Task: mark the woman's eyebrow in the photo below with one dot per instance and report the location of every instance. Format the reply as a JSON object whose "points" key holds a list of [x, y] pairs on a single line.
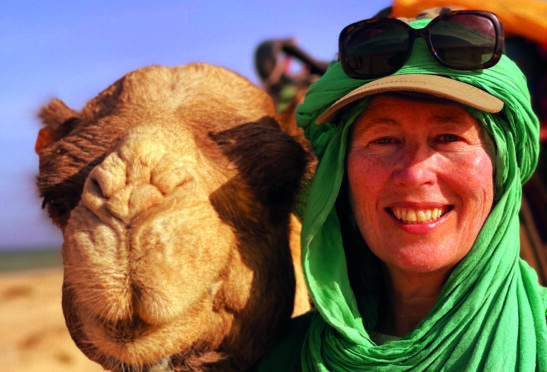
{"points": [[453, 121], [371, 125], [450, 118], [379, 121]]}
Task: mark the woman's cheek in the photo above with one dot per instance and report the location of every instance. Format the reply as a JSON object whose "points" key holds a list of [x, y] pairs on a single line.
{"points": [[472, 174]]}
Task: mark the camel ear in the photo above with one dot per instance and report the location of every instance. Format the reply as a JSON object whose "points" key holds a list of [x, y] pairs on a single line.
{"points": [[43, 140], [56, 117], [55, 114]]}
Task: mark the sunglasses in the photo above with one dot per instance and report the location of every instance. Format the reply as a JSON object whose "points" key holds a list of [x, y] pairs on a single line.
{"points": [[460, 40]]}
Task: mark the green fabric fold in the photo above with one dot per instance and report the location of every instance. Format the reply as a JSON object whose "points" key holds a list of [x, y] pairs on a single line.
{"points": [[491, 314]]}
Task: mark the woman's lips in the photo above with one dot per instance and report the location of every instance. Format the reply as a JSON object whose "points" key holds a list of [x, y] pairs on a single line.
{"points": [[415, 215]]}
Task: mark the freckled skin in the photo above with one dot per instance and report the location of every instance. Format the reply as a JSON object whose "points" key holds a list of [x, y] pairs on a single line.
{"points": [[419, 154]]}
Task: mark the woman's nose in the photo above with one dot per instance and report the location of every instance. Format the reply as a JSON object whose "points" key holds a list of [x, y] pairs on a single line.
{"points": [[416, 167]]}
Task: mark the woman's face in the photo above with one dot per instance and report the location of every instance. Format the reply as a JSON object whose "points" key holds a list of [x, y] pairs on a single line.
{"points": [[421, 182]]}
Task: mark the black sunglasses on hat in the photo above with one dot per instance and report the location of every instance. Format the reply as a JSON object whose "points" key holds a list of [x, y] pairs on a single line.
{"points": [[460, 40]]}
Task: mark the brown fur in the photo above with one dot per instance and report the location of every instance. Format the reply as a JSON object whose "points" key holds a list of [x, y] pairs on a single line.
{"points": [[174, 189]]}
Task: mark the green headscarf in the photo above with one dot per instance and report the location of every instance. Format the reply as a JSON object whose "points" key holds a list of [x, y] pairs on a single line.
{"points": [[491, 313]]}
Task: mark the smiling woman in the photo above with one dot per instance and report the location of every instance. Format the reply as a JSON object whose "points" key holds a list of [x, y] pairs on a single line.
{"points": [[410, 241], [419, 173]]}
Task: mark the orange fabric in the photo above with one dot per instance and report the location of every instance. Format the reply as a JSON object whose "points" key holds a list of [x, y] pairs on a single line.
{"points": [[527, 18]]}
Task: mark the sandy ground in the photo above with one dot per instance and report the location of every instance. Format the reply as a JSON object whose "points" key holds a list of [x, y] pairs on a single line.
{"points": [[33, 336]]}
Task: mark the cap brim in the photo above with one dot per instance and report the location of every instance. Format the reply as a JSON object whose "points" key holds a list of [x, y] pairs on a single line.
{"points": [[439, 86]]}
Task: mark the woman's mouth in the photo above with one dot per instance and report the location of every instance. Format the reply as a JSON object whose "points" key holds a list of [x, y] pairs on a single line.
{"points": [[418, 215]]}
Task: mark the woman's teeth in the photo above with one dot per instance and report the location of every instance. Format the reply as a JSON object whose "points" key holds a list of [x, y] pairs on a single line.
{"points": [[408, 215]]}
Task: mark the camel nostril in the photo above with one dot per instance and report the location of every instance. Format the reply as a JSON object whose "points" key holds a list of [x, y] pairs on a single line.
{"points": [[92, 196], [167, 181], [169, 173], [95, 187], [110, 175], [143, 197]]}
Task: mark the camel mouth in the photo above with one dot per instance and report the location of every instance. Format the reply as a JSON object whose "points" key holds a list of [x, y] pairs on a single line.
{"points": [[124, 331], [125, 344]]}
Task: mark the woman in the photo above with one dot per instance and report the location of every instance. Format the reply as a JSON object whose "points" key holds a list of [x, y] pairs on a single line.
{"points": [[410, 241]]}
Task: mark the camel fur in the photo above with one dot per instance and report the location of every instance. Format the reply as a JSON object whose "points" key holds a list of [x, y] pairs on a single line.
{"points": [[174, 189]]}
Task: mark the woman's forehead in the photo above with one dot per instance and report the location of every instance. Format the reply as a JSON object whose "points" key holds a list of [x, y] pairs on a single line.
{"points": [[417, 97], [398, 108]]}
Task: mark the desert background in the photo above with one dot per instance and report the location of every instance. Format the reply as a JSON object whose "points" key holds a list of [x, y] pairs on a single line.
{"points": [[33, 335]]}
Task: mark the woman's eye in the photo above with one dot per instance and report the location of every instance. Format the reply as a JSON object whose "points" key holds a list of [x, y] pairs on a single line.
{"points": [[449, 138], [384, 141]]}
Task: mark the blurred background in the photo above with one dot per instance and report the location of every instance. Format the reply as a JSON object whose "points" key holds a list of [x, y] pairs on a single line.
{"points": [[72, 50]]}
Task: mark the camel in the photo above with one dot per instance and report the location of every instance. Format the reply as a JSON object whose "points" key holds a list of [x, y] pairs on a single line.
{"points": [[175, 189]]}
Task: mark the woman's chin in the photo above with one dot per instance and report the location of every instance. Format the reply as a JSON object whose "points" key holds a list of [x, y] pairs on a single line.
{"points": [[419, 257]]}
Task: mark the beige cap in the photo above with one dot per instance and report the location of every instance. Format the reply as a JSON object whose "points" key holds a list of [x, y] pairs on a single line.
{"points": [[439, 86]]}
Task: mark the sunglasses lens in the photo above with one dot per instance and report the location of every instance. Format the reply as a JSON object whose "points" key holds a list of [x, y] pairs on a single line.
{"points": [[376, 49], [461, 40], [464, 41]]}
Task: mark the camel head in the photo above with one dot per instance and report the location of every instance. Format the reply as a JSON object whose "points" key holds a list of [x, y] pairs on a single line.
{"points": [[173, 189]]}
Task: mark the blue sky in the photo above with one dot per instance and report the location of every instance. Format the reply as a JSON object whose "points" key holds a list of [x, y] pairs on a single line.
{"points": [[72, 50]]}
